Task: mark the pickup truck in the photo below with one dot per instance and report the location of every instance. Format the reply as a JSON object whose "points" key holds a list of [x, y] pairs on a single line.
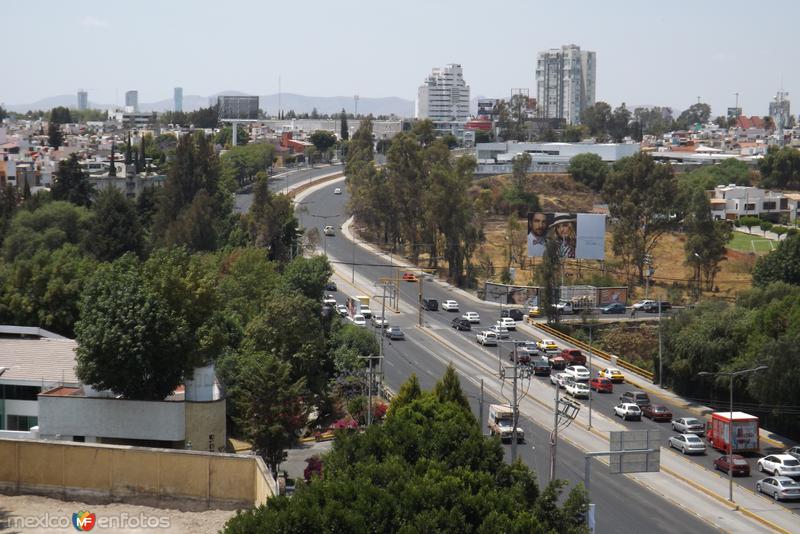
{"points": [[501, 423], [573, 357], [486, 338], [556, 361]]}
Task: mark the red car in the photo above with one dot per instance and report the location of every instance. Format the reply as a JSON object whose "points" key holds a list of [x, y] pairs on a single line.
{"points": [[409, 277], [657, 412], [740, 465], [601, 384]]}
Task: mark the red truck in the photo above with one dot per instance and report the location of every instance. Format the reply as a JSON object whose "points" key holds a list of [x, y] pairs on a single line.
{"points": [[745, 431], [573, 357]]}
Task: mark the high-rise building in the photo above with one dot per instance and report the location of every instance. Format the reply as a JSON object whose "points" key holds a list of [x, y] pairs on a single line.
{"points": [[565, 82], [132, 100], [780, 110], [83, 100], [444, 96], [178, 99]]}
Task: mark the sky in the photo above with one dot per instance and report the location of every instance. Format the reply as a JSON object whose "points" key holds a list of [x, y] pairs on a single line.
{"points": [[648, 53]]}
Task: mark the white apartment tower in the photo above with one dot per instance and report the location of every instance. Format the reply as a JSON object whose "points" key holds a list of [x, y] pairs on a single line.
{"points": [[444, 97], [565, 82]]}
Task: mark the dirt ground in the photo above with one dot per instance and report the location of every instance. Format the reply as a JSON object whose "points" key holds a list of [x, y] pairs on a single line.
{"points": [[26, 514]]}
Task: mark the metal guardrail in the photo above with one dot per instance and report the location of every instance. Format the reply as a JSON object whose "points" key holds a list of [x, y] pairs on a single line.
{"points": [[303, 187], [595, 351]]}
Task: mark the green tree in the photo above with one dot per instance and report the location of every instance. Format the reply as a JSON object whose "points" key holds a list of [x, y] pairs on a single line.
{"points": [[549, 273], [705, 240], [55, 138], [112, 162], [699, 113], [780, 168], [780, 265], [241, 164], [272, 222], [323, 140], [574, 133], [194, 228], [589, 169], [60, 115], [225, 137], [47, 227], [448, 389], [597, 118], [642, 197], [9, 197], [408, 393], [344, 132], [3, 113], [71, 183], [308, 276], [129, 339], [114, 227], [268, 404], [618, 126], [749, 221]]}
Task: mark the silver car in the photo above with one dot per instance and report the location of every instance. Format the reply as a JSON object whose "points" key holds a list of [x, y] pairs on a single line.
{"points": [[688, 443], [689, 425], [779, 488], [794, 451]]}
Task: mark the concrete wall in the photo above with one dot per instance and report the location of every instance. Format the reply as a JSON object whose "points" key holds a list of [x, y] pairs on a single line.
{"points": [[156, 477], [111, 418], [204, 420]]}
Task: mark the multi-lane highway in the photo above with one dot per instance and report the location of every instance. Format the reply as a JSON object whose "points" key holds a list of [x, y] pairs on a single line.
{"points": [[426, 352]]}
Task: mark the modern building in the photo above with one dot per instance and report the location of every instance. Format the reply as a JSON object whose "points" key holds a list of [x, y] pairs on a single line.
{"points": [[444, 96], [565, 82], [734, 201], [178, 99], [132, 100], [83, 100], [497, 158], [31, 359]]}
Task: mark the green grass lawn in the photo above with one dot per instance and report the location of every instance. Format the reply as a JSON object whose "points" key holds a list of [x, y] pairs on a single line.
{"points": [[749, 242]]}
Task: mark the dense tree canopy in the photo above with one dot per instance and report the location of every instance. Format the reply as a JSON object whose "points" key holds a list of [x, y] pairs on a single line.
{"points": [[780, 168], [781, 265], [114, 227], [589, 169], [71, 183]]}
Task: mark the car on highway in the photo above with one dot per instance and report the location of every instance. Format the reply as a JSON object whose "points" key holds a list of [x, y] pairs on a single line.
{"points": [[337, 191], [546, 344], [341, 309], [657, 412], [533, 313], [460, 323], [779, 488], [780, 465], [688, 444], [410, 277], [508, 322], [794, 451], [540, 366], [486, 338], [578, 372], [358, 319], [331, 286], [628, 411], [577, 389], [689, 425], [450, 305], [639, 398], [501, 331], [430, 304], [641, 304], [613, 374], [379, 321], [394, 333], [530, 348], [558, 379], [329, 300], [613, 308], [600, 385], [472, 317], [514, 313], [740, 465], [653, 307], [328, 230]]}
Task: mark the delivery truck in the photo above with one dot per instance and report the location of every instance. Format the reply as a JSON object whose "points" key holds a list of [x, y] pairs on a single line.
{"points": [[358, 305], [745, 432]]}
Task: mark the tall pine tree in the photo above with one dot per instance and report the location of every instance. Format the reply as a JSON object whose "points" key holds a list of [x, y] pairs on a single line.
{"points": [[345, 131], [112, 167], [54, 136]]}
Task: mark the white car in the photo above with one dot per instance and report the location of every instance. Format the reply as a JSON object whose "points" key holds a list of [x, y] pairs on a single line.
{"points": [[379, 322], [337, 191], [688, 443], [341, 309], [628, 410], [329, 230], [577, 389], [472, 317], [328, 300], [558, 379], [638, 306], [501, 331], [578, 372], [358, 320], [450, 305], [784, 465], [366, 312], [487, 338], [508, 322]]}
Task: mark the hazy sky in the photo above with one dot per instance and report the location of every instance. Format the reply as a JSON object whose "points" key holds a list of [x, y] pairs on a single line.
{"points": [[661, 53]]}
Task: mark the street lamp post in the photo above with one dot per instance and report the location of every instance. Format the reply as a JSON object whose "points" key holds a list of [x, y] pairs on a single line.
{"points": [[731, 375]]}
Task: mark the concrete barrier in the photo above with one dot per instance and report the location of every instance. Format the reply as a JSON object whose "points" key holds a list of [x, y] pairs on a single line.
{"points": [[167, 478]]}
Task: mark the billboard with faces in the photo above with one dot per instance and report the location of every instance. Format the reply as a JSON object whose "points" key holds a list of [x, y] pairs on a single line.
{"points": [[577, 235]]}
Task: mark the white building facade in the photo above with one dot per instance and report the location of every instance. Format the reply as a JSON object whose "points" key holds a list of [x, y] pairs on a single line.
{"points": [[498, 158], [444, 96], [734, 201], [565, 82]]}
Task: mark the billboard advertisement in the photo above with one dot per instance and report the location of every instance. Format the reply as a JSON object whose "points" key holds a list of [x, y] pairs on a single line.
{"points": [[238, 107], [578, 235], [612, 295], [513, 295]]}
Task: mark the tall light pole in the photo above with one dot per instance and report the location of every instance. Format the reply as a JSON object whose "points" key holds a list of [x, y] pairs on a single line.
{"points": [[731, 375]]}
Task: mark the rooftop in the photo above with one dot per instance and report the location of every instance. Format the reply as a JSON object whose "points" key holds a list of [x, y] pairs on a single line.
{"points": [[38, 361]]}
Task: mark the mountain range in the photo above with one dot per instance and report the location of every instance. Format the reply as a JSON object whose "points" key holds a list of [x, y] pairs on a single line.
{"points": [[269, 103]]}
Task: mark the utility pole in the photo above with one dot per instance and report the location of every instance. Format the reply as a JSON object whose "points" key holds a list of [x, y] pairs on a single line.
{"points": [[419, 283], [554, 438], [660, 367], [480, 408], [514, 408], [383, 332]]}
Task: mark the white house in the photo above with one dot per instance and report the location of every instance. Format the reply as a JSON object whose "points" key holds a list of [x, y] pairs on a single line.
{"points": [[734, 201]]}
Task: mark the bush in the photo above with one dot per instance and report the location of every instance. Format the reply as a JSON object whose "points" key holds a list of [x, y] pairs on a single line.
{"points": [[765, 226], [791, 231]]}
